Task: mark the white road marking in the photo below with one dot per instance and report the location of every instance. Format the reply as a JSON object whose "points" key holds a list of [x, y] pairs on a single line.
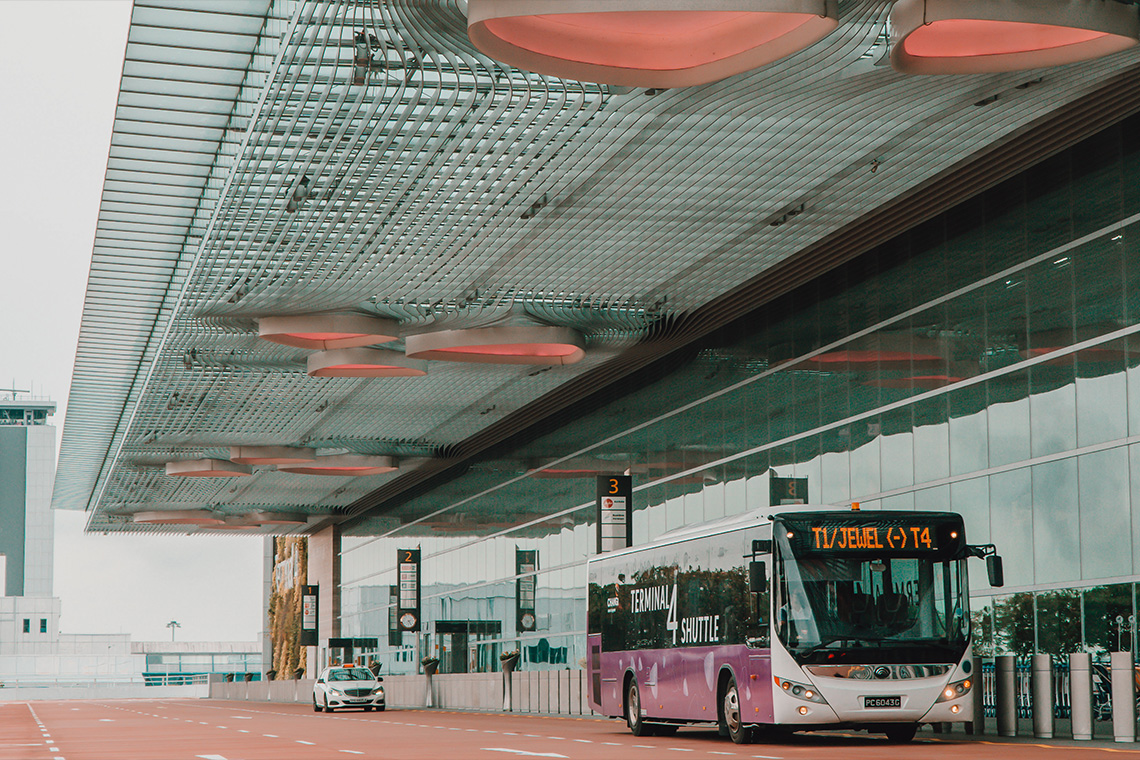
{"points": [[768, 757], [521, 752], [352, 752], [211, 757], [106, 720], [241, 717], [302, 741], [270, 736], [584, 741], [678, 749], [721, 753]]}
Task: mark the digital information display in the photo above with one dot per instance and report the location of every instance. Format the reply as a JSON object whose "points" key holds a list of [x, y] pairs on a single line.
{"points": [[615, 511], [310, 618], [408, 567], [395, 635], [526, 561], [876, 533]]}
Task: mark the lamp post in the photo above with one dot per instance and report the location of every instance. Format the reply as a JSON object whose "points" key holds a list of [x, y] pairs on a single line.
{"points": [[172, 625]]}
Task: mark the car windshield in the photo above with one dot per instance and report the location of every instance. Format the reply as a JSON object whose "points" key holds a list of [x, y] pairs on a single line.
{"points": [[350, 674]]}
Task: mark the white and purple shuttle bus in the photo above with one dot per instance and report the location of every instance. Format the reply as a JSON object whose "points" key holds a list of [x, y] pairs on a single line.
{"points": [[805, 619]]}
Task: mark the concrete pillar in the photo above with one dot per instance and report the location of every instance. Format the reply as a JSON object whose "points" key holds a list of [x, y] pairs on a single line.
{"points": [[1005, 683], [1123, 697], [1042, 686], [1080, 695], [508, 683], [324, 571]]}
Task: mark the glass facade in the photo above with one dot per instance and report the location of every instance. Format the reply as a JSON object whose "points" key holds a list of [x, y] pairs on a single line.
{"points": [[980, 363]]}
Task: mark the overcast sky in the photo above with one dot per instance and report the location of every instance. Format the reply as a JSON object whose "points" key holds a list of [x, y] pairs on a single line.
{"points": [[60, 62]]}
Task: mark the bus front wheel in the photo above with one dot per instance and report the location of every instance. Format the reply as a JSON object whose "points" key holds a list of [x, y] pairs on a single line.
{"points": [[901, 733], [732, 721], [633, 717]]}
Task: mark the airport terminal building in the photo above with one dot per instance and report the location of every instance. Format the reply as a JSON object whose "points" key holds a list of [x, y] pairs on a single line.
{"points": [[359, 279]]}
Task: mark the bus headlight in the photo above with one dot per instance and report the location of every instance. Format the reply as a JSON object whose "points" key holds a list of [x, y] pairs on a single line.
{"points": [[955, 690], [799, 690]]}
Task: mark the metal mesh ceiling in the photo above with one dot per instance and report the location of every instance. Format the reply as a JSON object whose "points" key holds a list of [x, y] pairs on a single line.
{"points": [[444, 189]]}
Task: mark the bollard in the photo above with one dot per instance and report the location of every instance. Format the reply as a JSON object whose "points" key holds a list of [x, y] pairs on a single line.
{"points": [[1123, 698], [1005, 683], [1080, 695], [430, 667], [977, 725], [1042, 686]]}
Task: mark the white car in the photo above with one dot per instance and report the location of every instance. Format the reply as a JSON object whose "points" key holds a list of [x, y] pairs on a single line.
{"points": [[347, 687]]}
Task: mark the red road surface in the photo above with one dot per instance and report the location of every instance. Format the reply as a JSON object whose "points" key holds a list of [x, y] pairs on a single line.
{"points": [[217, 730]]}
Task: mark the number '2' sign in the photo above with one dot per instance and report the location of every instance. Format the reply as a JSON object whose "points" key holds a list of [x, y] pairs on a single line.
{"points": [[408, 595]]}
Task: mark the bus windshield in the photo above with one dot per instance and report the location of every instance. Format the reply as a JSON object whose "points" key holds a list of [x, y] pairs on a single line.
{"points": [[833, 606]]}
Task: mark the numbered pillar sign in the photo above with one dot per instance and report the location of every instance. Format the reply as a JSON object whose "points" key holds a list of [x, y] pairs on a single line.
{"points": [[310, 618], [526, 564], [615, 512], [408, 611], [788, 491]]}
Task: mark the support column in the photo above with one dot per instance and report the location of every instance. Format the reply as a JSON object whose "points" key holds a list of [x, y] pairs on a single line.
{"points": [[324, 571]]}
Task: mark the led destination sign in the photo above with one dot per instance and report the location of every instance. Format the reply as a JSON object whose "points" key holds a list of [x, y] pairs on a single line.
{"points": [[876, 533], [873, 537]]}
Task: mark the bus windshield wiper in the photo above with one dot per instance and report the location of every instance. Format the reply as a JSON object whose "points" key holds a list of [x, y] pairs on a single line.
{"points": [[821, 645]]}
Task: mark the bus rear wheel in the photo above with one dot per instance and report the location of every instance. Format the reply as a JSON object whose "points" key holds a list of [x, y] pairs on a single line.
{"points": [[633, 717], [901, 733], [732, 721]]}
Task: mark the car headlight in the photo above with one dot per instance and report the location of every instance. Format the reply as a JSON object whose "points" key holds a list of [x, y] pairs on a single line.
{"points": [[799, 690], [955, 690], [378, 691], [335, 690]]}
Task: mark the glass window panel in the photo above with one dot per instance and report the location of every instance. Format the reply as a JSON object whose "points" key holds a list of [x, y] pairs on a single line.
{"points": [[1108, 610], [931, 441], [1105, 515], [969, 439], [1052, 407], [971, 499], [866, 454], [1056, 522], [1008, 423], [1011, 523], [835, 474], [1014, 624], [935, 499], [1059, 622], [1102, 392], [897, 459]]}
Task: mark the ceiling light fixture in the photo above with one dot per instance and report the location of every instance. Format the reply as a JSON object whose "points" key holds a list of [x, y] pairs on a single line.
{"points": [[646, 43], [179, 517], [263, 455], [352, 465], [980, 36], [207, 468], [325, 331], [364, 362], [510, 344]]}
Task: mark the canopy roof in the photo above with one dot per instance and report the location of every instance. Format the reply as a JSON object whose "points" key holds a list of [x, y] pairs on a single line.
{"points": [[446, 191]]}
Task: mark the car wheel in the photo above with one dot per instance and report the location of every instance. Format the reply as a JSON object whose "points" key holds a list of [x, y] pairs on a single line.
{"points": [[316, 707], [368, 708], [633, 711], [730, 716], [327, 708], [380, 708]]}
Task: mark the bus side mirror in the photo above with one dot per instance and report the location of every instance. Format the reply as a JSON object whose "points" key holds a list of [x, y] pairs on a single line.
{"points": [[757, 577], [995, 571]]}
